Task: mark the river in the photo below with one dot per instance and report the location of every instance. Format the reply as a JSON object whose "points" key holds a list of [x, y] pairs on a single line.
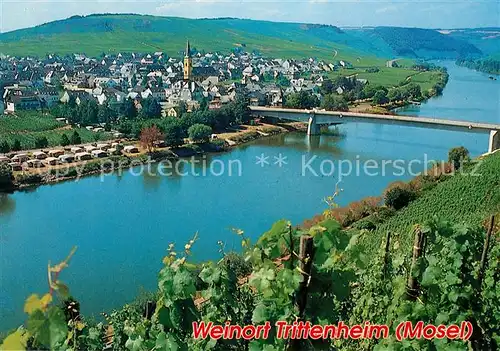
{"points": [[122, 224]]}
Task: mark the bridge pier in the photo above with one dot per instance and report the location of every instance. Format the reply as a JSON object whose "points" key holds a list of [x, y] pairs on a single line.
{"points": [[312, 126], [494, 143]]}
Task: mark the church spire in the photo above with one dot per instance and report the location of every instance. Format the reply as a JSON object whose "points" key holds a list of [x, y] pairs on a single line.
{"points": [[188, 63], [188, 49]]}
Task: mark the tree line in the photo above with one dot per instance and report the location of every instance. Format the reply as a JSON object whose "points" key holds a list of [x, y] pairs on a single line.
{"points": [[488, 66]]}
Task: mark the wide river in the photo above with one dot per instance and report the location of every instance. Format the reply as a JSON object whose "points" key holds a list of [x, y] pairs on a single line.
{"points": [[122, 224]]}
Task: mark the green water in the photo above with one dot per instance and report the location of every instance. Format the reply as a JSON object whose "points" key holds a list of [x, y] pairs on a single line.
{"points": [[122, 225]]}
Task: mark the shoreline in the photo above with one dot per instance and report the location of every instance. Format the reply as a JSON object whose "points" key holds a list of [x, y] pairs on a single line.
{"points": [[160, 154]]}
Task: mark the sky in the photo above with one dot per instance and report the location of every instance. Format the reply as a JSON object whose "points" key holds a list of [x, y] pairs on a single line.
{"points": [[15, 14]]}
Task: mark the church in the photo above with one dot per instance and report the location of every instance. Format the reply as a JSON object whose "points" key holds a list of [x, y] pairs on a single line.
{"points": [[188, 63], [195, 73]]}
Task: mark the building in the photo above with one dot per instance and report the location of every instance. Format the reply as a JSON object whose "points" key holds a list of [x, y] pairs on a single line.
{"points": [[188, 63]]}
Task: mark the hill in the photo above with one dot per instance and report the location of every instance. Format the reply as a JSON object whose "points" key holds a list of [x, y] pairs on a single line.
{"points": [[485, 39], [95, 34], [464, 198]]}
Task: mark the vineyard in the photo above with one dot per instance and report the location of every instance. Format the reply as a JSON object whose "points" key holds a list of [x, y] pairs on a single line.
{"points": [[468, 197], [26, 127], [28, 121]]}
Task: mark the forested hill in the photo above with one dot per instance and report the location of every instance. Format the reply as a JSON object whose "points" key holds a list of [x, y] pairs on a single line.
{"points": [[95, 34], [417, 42]]}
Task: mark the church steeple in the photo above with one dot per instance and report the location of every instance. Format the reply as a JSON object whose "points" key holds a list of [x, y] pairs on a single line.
{"points": [[188, 49], [188, 63]]}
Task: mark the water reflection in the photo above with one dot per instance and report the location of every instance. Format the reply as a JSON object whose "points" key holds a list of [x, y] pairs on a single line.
{"points": [[7, 205]]}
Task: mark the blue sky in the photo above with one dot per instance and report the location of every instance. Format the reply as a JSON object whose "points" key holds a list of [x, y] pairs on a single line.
{"points": [[16, 14]]}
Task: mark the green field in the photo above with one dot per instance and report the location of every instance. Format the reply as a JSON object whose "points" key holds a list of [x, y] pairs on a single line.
{"points": [[28, 121], [94, 35], [28, 126], [390, 77]]}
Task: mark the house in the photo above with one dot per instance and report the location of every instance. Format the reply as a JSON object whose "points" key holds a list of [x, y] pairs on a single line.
{"points": [[15, 103], [172, 112], [51, 161], [39, 155], [103, 146], [48, 96], [99, 153], [66, 158], [15, 166], [34, 163], [76, 149], [131, 149], [55, 153], [20, 158], [83, 156]]}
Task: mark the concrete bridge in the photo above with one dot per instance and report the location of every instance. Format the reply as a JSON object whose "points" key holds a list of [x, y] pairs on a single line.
{"points": [[314, 118]]}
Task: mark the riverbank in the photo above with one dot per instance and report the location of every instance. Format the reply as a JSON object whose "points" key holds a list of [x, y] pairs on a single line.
{"points": [[222, 142]]}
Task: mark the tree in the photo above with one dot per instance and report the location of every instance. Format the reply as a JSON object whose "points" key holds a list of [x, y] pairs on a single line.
{"points": [[64, 140], [369, 90], [199, 133], [149, 136], [16, 146], [302, 100], [174, 135], [41, 142], [128, 109], [282, 81], [413, 91], [398, 197], [395, 94], [150, 108], [75, 138], [327, 87], [457, 156], [4, 147], [105, 114], [88, 112], [6, 177], [380, 98], [332, 102]]}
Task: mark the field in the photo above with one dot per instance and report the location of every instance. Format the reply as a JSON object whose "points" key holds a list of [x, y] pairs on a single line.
{"points": [[29, 121], [463, 198], [390, 77], [29, 125], [426, 79]]}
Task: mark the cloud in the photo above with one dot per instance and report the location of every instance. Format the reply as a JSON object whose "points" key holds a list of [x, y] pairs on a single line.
{"points": [[390, 8]]}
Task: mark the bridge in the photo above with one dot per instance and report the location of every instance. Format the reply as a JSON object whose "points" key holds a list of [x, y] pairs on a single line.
{"points": [[314, 118]]}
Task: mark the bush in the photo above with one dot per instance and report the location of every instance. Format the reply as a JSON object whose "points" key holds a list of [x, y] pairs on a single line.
{"points": [[365, 224], [457, 156], [199, 133], [41, 142], [16, 146], [237, 264], [65, 140], [398, 197], [76, 138], [6, 178], [4, 147], [29, 179]]}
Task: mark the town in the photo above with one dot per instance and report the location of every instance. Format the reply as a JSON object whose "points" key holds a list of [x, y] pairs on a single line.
{"points": [[199, 78], [198, 97]]}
